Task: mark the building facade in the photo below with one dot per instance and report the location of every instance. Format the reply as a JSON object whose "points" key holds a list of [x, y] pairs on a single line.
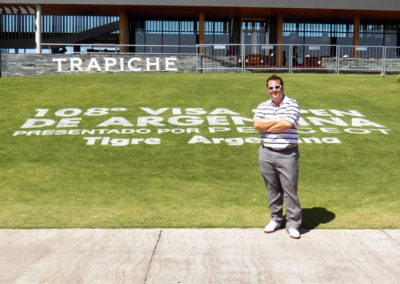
{"points": [[28, 24]]}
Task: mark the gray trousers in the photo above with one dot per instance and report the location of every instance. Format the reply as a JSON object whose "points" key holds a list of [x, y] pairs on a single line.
{"points": [[280, 170]]}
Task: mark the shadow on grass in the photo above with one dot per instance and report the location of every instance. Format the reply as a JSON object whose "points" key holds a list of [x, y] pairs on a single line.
{"points": [[313, 217]]}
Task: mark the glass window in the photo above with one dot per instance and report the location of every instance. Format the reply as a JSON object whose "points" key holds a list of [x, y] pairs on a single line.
{"points": [[378, 35], [253, 25], [316, 33], [180, 32]]}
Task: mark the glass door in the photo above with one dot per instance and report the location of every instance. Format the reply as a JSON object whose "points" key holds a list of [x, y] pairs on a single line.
{"points": [[254, 32]]}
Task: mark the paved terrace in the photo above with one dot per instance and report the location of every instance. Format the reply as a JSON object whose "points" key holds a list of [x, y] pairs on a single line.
{"points": [[198, 256]]}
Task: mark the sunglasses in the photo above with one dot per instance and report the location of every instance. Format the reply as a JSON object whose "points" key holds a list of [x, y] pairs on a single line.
{"points": [[278, 87]]}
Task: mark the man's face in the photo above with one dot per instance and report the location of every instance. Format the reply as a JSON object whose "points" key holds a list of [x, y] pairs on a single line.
{"points": [[275, 91]]}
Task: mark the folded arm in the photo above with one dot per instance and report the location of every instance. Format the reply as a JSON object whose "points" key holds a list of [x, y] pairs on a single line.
{"points": [[272, 125]]}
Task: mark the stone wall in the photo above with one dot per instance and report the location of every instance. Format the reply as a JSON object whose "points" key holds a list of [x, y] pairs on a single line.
{"points": [[50, 64], [362, 64]]}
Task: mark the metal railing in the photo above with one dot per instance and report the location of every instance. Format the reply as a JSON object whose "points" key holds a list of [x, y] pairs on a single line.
{"points": [[298, 58], [219, 57]]}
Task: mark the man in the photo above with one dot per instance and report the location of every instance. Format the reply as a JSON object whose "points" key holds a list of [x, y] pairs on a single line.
{"points": [[277, 119]]}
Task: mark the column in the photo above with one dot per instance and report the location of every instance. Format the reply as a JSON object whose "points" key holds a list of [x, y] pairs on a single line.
{"points": [[123, 31], [201, 27], [201, 31], [38, 28], [235, 37], [276, 37], [236, 30], [356, 34], [279, 40]]}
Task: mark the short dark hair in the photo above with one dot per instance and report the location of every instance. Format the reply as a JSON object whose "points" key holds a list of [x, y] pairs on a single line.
{"points": [[274, 78]]}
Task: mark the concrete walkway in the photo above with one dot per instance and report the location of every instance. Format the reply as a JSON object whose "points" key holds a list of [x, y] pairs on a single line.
{"points": [[198, 256]]}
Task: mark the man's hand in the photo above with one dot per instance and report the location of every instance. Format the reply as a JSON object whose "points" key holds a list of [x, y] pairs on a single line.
{"points": [[273, 125]]}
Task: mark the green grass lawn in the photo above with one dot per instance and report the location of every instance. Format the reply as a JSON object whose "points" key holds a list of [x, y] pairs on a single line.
{"points": [[57, 181]]}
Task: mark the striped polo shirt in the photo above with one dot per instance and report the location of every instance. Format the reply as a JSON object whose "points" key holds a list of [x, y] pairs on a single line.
{"points": [[288, 110]]}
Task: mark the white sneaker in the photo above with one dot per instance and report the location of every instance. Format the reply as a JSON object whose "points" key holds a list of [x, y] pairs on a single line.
{"points": [[293, 233], [271, 227]]}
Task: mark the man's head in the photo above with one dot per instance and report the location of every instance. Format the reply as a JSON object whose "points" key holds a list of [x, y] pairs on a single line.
{"points": [[275, 89]]}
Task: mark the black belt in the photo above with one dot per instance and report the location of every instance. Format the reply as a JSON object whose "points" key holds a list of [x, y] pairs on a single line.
{"points": [[291, 146]]}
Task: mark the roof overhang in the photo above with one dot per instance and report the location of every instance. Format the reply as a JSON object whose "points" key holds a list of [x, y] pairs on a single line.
{"points": [[371, 5], [318, 10]]}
